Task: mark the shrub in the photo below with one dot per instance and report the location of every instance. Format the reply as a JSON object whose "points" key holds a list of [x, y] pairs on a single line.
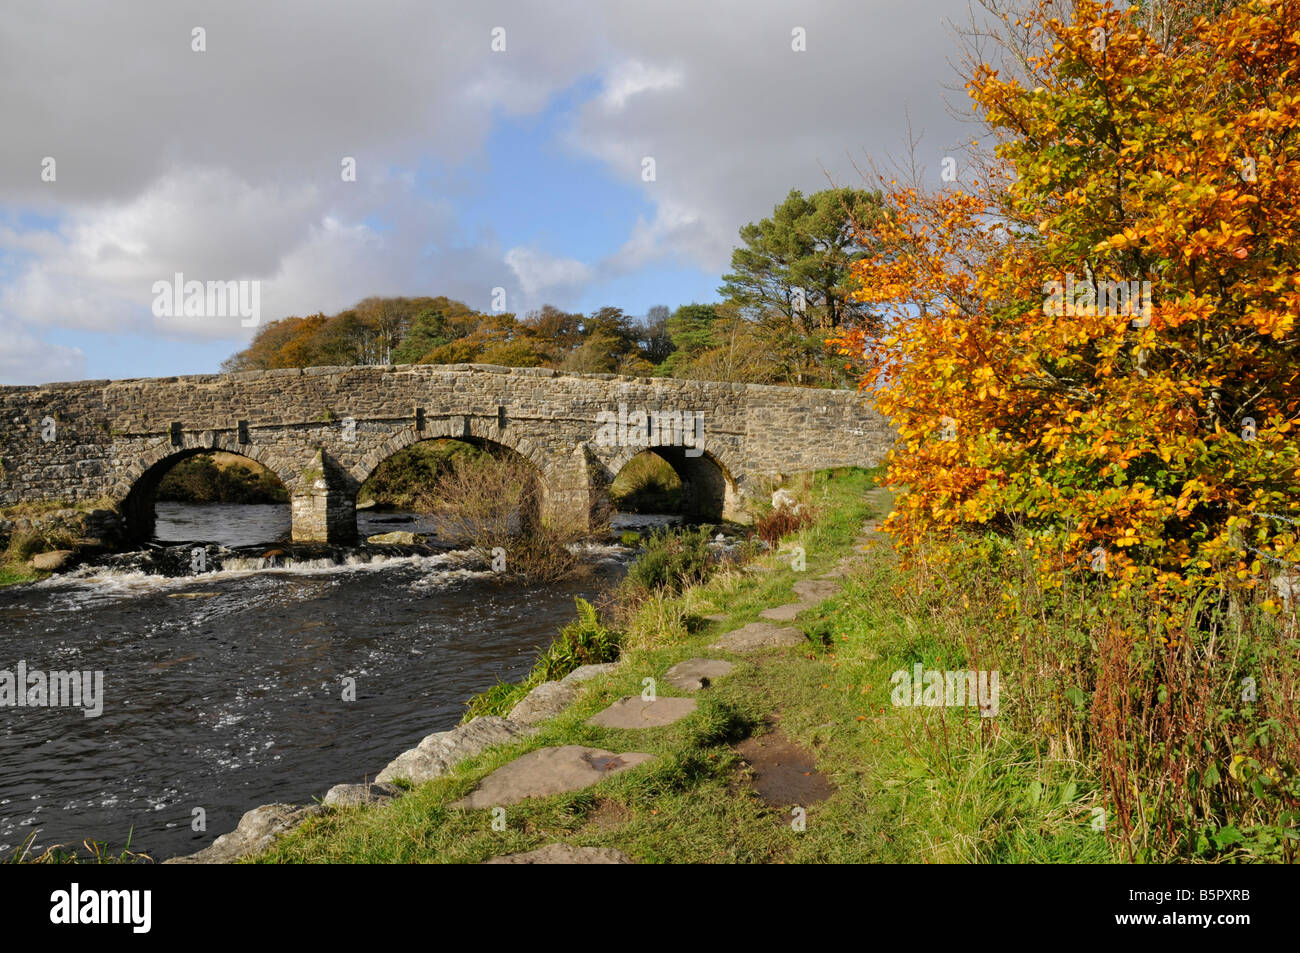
{"points": [[673, 559], [494, 501], [781, 522]]}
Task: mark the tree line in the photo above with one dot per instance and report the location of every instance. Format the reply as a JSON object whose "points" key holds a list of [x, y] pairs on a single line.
{"points": [[789, 288]]}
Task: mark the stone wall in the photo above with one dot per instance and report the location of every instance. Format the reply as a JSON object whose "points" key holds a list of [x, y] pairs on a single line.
{"points": [[324, 430]]}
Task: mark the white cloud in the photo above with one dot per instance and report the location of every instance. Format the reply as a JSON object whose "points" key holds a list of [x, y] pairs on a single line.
{"points": [[25, 359], [225, 165], [539, 273], [634, 77]]}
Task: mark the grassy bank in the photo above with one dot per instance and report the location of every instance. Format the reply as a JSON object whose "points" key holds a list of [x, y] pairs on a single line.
{"points": [[54, 524], [910, 784]]}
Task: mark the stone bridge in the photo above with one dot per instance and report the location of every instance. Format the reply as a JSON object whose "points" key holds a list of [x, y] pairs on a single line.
{"points": [[324, 430]]}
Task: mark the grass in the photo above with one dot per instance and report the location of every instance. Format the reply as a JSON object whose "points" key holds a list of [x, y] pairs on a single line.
{"points": [[92, 852], [911, 784], [21, 546]]}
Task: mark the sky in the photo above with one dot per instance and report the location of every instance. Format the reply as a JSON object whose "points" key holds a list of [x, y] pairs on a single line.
{"points": [[496, 145]]}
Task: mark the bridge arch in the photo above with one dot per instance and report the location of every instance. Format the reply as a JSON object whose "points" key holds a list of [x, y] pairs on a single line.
{"points": [[467, 430], [711, 489], [135, 492], [538, 500]]}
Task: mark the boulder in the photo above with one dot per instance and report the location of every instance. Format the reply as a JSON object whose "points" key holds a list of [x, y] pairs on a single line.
{"points": [[352, 795], [585, 673], [545, 701], [53, 561], [396, 537], [257, 830], [783, 498], [438, 753]]}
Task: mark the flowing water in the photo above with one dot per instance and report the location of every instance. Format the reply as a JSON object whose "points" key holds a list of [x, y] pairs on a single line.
{"points": [[224, 690]]}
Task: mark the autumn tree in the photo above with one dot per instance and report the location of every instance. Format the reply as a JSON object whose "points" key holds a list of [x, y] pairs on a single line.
{"points": [[1091, 360], [1027, 383]]}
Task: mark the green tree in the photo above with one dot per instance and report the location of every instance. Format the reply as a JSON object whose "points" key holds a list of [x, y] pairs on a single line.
{"points": [[796, 263]]}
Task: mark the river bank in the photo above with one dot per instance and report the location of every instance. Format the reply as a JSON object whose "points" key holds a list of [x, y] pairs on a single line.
{"points": [[796, 754], [225, 688]]}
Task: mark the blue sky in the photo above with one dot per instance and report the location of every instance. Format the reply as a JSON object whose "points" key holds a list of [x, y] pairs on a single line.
{"points": [[477, 168]]}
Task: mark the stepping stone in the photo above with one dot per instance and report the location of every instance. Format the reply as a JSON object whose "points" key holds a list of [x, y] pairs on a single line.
{"points": [[549, 771], [585, 673], [438, 753], [545, 701], [813, 591], [759, 635], [351, 795], [784, 613], [716, 617], [635, 712], [784, 773], [696, 673], [564, 854]]}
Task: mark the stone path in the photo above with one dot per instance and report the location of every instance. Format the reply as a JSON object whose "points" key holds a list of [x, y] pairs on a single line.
{"points": [[784, 773], [564, 854], [697, 673], [759, 635], [637, 712], [548, 771]]}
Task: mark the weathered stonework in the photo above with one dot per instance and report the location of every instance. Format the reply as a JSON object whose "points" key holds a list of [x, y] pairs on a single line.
{"points": [[323, 430]]}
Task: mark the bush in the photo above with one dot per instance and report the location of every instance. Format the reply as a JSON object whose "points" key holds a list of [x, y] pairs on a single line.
{"points": [[673, 560], [781, 522], [493, 501]]}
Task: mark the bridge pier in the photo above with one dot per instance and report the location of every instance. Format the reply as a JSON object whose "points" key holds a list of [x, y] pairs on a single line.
{"points": [[324, 506]]}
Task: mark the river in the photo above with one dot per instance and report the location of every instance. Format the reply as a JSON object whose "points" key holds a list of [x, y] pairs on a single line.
{"points": [[224, 690]]}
